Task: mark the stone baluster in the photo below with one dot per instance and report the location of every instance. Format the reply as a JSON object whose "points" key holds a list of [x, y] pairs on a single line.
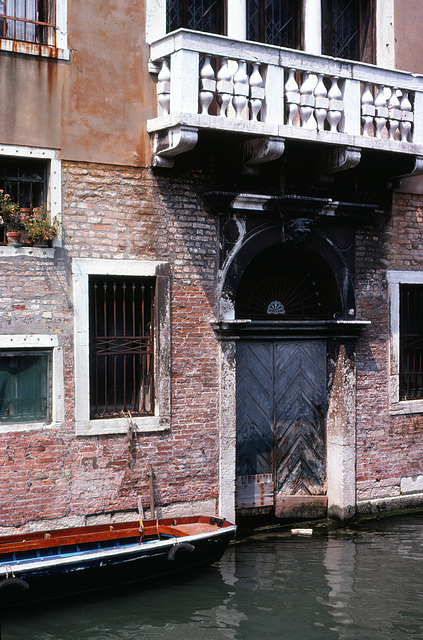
{"points": [[381, 116], [208, 85], [256, 92], [225, 87], [241, 89], [368, 109], [406, 117], [292, 96], [307, 102], [163, 88], [336, 104], [321, 102], [394, 114]]}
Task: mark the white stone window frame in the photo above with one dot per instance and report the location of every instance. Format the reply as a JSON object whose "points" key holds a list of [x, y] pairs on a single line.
{"points": [[395, 279], [60, 51], [82, 269], [44, 342], [236, 26], [54, 196]]}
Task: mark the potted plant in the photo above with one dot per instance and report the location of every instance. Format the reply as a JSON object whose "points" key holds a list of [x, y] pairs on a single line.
{"points": [[14, 229], [39, 229], [9, 212]]}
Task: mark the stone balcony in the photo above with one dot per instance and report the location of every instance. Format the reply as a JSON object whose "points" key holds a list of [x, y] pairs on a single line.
{"points": [[269, 95]]}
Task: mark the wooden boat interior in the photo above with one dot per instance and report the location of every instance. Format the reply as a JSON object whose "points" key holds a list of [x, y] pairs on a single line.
{"points": [[152, 529]]}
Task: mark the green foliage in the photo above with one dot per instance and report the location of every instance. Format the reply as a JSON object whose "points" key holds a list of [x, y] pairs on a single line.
{"points": [[9, 212], [38, 227]]}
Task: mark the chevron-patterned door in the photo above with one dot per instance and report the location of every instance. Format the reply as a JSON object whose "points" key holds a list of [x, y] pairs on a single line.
{"points": [[281, 400]]}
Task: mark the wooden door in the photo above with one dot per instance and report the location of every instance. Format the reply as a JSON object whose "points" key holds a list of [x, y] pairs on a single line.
{"points": [[281, 399]]}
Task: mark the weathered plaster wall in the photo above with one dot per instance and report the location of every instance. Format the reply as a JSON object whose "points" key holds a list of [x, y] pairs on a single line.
{"points": [[94, 106], [408, 28]]}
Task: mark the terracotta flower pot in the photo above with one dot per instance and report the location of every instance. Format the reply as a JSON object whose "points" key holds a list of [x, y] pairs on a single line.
{"points": [[13, 237]]}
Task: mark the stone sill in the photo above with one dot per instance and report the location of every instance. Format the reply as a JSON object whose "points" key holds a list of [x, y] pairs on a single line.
{"points": [[33, 49], [147, 424], [11, 251]]}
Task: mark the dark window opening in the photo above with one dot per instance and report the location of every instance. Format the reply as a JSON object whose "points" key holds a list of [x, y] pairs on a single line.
{"points": [[28, 21], [201, 15], [274, 22], [25, 386], [348, 29], [26, 182], [411, 342], [288, 284], [121, 346]]}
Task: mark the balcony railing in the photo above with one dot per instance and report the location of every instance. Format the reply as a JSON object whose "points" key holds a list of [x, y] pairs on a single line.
{"points": [[213, 82]]}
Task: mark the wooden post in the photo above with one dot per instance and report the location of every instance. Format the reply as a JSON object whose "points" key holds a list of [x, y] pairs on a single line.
{"points": [[150, 481]]}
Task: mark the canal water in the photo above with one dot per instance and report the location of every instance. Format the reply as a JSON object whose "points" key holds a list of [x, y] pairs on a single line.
{"points": [[363, 584]]}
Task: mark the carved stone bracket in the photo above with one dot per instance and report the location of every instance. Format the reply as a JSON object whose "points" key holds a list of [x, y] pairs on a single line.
{"points": [[261, 150], [171, 142], [417, 170], [343, 158]]}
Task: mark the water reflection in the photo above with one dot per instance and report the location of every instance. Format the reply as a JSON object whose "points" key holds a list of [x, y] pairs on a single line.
{"points": [[364, 584]]}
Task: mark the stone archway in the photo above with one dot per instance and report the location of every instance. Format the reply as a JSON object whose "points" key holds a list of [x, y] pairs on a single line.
{"points": [[281, 383], [294, 482]]}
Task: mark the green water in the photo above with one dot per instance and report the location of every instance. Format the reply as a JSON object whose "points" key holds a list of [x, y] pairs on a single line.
{"points": [[364, 584]]}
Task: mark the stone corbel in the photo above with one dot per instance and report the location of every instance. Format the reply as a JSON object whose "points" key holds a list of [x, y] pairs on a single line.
{"points": [[417, 170], [260, 150], [171, 142], [343, 158]]}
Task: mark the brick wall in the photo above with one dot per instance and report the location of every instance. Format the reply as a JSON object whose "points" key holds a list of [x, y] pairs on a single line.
{"points": [[118, 213], [389, 447]]}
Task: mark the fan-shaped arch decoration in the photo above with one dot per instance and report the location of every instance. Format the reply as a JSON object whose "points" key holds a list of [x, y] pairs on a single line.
{"points": [[283, 283]]}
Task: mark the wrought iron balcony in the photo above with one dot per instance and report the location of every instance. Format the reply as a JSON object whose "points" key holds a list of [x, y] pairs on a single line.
{"points": [[271, 94]]}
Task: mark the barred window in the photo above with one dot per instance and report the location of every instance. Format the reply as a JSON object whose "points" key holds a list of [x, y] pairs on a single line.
{"points": [[348, 29], [121, 335], [201, 15], [28, 21], [25, 180], [274, 22], [411, 342], [25, 386]]}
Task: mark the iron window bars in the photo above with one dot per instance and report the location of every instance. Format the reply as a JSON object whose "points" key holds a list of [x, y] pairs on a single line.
{"points": [[411, 342], [274, 23], [121, 346], [201, 15]]}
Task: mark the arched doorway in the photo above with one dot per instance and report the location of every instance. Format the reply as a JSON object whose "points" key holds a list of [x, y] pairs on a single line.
{"points": [[290, 292]]}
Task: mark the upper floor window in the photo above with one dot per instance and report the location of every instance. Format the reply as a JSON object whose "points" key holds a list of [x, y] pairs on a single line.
{"points": [[28, 21], [274, 22], [201, 15], [340, 28], [348, 29], [25, 180]]}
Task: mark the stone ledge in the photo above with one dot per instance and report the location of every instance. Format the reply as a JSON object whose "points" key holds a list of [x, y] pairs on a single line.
{"points": [[10, 251]]}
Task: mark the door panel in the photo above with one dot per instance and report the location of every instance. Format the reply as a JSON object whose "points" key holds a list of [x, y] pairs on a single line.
{"points": [[300, 383], [281, 398], [254, 408]]}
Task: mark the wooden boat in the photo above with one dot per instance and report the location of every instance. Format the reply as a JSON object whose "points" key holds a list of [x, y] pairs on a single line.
{"points": [[47, 564]]}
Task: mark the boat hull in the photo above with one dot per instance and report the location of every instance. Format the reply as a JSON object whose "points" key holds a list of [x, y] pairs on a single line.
{"points": [[59, 574]]}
